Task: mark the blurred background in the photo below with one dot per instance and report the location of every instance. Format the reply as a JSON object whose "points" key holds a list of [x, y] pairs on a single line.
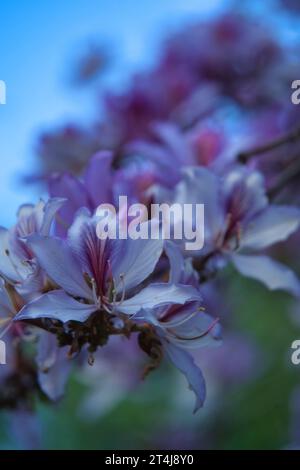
{"points": [[38, 47], [253, 389]]}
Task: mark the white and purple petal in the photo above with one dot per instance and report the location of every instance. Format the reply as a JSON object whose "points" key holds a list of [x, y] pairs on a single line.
{"points": [[271, 273], [133, 261], [198, 330], [159, 295], [183, 361], [58, 261], [70, 188], [10, 265], [98, 178], [50, 210], [181, 269], [273, 225], [201, 186], [56, 305]]}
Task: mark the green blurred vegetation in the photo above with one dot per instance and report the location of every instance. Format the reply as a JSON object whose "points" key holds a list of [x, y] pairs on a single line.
{"points": [[255, 415]]}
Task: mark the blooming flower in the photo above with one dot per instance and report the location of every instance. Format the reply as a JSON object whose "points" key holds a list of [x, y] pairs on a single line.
{"points": [[173, 150], [181, 328], [156, 140], [17, 262], [100, 184], [97, 275], [240, 222], [100, 273]]}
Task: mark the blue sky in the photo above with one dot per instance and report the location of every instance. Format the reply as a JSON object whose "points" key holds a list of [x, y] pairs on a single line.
{"points": [[36, 41]]}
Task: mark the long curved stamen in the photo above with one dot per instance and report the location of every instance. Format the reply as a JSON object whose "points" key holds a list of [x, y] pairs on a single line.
{"points": [[95, 296], [238, 235], [122, 278], [195, 337], [107, 309], [115, 302], [183, 320]]}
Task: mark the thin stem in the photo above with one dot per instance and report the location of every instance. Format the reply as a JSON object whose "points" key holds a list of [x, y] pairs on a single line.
{"points": [[292, 136], [291, 172]]}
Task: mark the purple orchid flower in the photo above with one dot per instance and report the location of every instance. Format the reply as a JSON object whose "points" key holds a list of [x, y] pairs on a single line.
{"points": [[181, 328], [94, 188], [96, 274], [240, 222], [174, 149], [99, 185], [169, 154], [17, 261]]}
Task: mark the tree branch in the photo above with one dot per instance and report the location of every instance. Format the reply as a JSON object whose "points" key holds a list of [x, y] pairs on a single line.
{"points": [[290, 173], [292, 136]]}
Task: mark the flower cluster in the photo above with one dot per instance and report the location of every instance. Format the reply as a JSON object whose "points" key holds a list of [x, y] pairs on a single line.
{"points": [[68, 291]]}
